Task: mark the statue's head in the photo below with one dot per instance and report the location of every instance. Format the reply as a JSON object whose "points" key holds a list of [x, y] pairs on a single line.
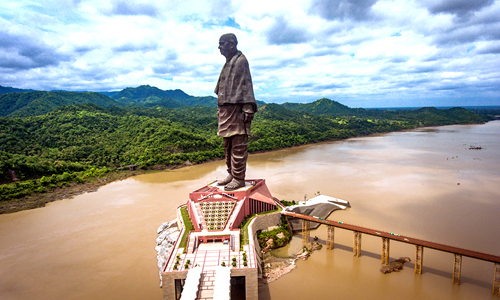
{"points": [[228, 45]]}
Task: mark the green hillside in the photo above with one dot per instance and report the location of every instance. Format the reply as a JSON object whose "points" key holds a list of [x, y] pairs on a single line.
{"points": [[426, 116], [145, 91], [35, 103], [39, 102], [323, 106], [152, 96], [6, 89]]}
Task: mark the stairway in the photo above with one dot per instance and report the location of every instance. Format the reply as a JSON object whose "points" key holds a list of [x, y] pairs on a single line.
{"points": [[206, 290]]}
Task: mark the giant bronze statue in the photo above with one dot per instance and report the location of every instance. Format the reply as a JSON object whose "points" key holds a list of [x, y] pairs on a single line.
{"points": [[236, 106]]}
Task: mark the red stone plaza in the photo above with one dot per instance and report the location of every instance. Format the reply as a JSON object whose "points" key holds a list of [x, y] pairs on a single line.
{"points": [[194, 268]]}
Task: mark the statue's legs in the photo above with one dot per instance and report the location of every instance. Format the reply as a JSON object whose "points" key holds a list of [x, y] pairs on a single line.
{"points": [[236, 152], [238, 158]]}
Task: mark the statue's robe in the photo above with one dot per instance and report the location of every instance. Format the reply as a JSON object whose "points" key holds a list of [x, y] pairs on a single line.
{"points": [[235, 95]]}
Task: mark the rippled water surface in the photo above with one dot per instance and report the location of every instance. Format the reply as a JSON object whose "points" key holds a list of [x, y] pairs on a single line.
{"points": [[424, 183]]}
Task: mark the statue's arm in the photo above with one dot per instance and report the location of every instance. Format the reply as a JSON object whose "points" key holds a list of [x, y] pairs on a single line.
{"points": [[248, 111]]}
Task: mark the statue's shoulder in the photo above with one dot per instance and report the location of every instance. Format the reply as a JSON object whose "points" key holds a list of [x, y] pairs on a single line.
{"points": [[241, 55], [241, 59]]}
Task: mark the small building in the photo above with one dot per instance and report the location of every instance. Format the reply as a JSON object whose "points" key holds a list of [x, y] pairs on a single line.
{"points": [[215, 259]]}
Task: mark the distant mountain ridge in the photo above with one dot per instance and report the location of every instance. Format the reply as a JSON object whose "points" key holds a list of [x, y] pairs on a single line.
{"points": [[37, 103], [151, 96], [145, 91], [24, 103], [7, 89], [324, 106]]}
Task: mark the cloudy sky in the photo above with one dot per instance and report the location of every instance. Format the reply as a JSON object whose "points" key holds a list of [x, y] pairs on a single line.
{"points": [[362, 53]]}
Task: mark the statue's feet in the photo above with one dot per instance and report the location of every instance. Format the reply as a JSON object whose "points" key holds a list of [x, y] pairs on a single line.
{"points": [[234, 184], [225, 180]]}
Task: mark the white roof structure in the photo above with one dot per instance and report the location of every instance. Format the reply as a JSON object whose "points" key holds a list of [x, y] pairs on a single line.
{"points": [[342, 204]]}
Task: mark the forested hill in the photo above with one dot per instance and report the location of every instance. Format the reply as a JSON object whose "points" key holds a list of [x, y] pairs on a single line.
{"points": [[145, 91], [426, 116], [152, 96], [39, 103], [6, 89], [325, 106], [22, 103]]}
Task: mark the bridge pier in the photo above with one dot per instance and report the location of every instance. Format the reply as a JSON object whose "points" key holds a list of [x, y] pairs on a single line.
{"points": [[306, 233], [385, 251], [330, 238], [356, 249], [419, 257], [457, 269], [496, 280]]}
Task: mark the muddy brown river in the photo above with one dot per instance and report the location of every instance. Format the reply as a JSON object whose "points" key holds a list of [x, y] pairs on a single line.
{"points": [[424, 183]]}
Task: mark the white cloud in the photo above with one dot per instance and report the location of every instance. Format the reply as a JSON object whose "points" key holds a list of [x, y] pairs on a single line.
{"points": [[369, 54]]}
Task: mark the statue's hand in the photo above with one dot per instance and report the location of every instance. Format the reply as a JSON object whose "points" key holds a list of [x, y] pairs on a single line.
{"points": [[247, 117]]}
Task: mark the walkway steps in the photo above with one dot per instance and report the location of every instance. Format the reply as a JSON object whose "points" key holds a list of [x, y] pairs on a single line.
{"points": [[192, 284], [206, 290]]}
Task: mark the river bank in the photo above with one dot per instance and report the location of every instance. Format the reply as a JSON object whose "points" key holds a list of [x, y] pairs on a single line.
{"points": [[276, 267], [38, 200]]}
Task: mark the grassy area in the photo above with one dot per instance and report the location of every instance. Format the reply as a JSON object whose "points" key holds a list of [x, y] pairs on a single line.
{"points": [[288, 203], [278, 242], [187, 224], [246, 222]]}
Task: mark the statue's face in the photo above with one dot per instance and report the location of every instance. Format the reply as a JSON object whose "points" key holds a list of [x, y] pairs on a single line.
{"points": [[225, 46]]}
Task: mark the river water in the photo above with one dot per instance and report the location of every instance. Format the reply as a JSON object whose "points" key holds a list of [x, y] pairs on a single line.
{"points": [[423, 183]]}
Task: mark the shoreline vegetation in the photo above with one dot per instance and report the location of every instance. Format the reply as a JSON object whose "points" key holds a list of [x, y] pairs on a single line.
{"points": [[274, 267], [69, 149]]}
